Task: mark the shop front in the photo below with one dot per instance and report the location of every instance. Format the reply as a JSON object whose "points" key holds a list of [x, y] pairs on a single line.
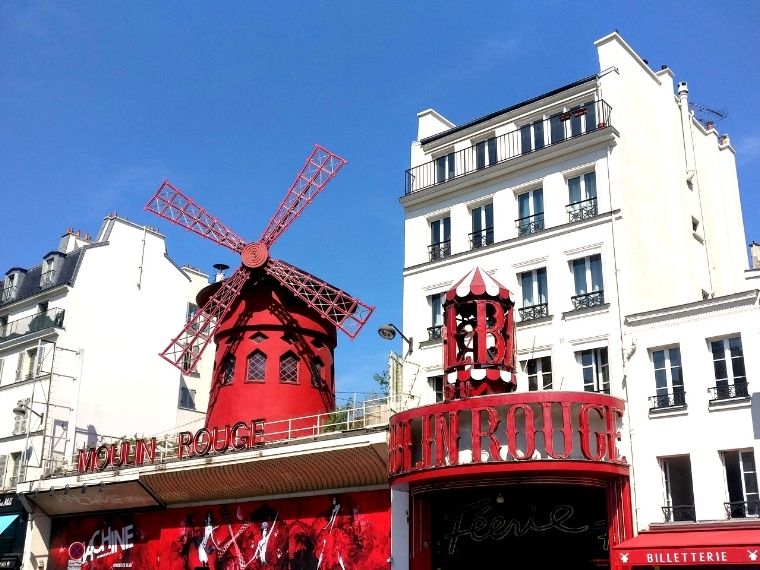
{"points": [[12, 531]]}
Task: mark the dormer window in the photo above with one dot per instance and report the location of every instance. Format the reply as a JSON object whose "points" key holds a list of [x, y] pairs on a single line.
{"points": [[50, 268], [11, 285]]}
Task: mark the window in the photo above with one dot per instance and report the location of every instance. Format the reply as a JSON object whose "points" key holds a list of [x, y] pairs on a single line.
{"points": [[668, 378], [679, 492], [728, 365], [188, 359], [444, 168], [741, 482], [228, 369], [48, 273], [589, 286], [530, 209], [482, 226], [595, 368], [535, 295], [256, 367], [186, 398], [435, 330], [317, 373], [27, 365], [532, 136], [20, 420], [436, 385], [573, 122], [3, 325], [539, 371], [10, 287], [17, 474], [582, 194], [485, 153], [440, 238], [289, 368]]}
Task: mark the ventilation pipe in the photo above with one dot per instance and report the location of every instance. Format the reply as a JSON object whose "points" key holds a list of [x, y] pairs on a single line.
{"points": [[688, 141]]}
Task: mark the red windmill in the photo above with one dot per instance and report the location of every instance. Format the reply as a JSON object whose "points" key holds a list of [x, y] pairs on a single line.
{"points": [[274, 324]]}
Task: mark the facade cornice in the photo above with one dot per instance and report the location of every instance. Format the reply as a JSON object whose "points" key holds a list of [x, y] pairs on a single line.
{"points": [[744, 299]]}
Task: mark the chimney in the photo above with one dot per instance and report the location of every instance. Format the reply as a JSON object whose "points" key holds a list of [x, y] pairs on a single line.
{"points": [[754, 250]]}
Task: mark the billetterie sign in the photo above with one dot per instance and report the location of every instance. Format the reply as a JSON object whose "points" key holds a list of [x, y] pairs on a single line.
{"points": [[133, 453]]}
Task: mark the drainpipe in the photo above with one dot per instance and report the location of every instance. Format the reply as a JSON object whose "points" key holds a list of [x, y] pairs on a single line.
{"points": [[688, 141]]}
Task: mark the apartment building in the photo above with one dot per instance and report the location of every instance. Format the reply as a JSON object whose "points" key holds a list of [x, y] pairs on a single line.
{"points": [[613, 217]]}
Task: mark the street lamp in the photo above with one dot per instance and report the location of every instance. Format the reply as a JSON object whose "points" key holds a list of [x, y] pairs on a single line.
{"points": [[22, 408], [388, 332]]}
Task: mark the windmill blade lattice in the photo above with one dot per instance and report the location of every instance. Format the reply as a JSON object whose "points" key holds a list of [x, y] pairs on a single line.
{"points": [[339, 308]]}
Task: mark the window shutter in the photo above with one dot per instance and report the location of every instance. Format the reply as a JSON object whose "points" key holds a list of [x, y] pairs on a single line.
{"points": [[3, 463]]}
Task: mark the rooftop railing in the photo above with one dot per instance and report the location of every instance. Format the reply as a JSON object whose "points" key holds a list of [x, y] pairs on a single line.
{"points": [[556, 129]]}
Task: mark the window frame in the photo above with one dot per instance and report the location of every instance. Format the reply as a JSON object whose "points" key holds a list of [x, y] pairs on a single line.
{"points": [[748, 497], [599, 367], [289, 357], [730, 378], [535, 287], [227, 370], [534, 220], [259, 379], [541, 371], [445, 166], [482, 224], [589, 286], [671, 387]]}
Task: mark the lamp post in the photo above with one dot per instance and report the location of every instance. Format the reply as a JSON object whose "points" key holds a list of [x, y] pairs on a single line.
{"points": [[388, 332]]}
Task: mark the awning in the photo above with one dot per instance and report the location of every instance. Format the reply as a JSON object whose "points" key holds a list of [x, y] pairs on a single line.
{"points": [[478, 283], [6, 521], [691, 548]]}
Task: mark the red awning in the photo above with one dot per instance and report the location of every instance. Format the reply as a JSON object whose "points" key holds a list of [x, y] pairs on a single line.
{"points": [[691, 548], [478, 283]]}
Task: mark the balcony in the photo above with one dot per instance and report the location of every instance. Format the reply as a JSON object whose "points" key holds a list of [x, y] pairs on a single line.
{"points": [[582, 210], [588, 300], [439, 250], [679, 513], [481, 238], [32, 324], [9, 293], [534, 312], [742, 509], [435, 332], [729, 391], [674, 399], [509, 146], [530, 224]]}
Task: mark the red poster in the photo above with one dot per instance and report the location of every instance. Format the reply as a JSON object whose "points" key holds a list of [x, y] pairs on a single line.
{"points": [[329, 532]]}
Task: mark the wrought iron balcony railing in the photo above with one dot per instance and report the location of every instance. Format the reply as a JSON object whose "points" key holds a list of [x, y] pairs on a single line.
{"points": [[729, 391], [742, 509], [530, 224], [677, 513], [435, 332], [674, 399], [8, 294], [509, 146], [587, 300], [534, 312], [481, 238], [48, 278], [439, 250], [33, 323], [582, 210]]}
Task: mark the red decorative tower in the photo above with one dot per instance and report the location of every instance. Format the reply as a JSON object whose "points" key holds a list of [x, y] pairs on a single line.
{"points": [[274, 324], [478, 339]]}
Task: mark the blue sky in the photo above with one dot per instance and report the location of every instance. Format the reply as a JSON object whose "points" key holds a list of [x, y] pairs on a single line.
{"points": [[101, 101]]}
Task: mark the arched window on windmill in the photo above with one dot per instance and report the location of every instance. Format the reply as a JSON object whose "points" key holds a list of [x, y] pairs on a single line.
{"points": [[317, 372], [228, 370], [289, 368], [256, 367]]}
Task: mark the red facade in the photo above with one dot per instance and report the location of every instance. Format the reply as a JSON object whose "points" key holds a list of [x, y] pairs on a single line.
{"points": [[330, 532]]}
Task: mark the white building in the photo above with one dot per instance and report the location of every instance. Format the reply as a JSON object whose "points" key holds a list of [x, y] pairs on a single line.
{"points": [[79, 341], [613, 216]]}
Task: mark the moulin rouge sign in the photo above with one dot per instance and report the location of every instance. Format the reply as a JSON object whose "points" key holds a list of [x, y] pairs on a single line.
{"points": [[507, 427], [239, 436]]}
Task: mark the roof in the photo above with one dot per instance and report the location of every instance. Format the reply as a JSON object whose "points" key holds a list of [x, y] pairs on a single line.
{"points": [[508, 109], [30, 284]]}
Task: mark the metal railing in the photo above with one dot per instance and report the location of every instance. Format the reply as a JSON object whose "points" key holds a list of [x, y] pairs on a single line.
{"points": [[534, 312], [47, 278], [587, 300], [729, 391], [33, 323], [672, 399], [508, 146], [742, 509], [481, 238], [439, 250], [582, 210], [678, 513], [529, 224], [8, 294], [435, 332], [373, 413]]}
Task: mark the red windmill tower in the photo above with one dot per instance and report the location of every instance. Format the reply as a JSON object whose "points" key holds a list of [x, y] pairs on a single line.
{"points": [[274, 324]]}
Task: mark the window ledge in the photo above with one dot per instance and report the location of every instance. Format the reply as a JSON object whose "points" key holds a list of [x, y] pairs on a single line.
{"points": [[729, 404], [433, 342], [669, 412], [534, 322], [579, 313]]}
